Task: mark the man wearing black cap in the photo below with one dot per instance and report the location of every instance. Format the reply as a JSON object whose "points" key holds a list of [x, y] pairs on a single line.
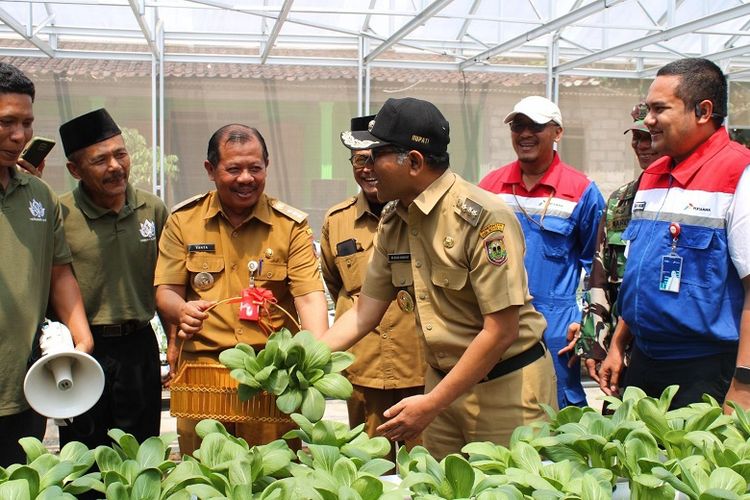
{"points": [[389, 362], [454, 253], [36, 267], [113, 231]]}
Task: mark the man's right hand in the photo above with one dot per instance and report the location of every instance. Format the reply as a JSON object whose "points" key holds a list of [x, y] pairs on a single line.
{"points": [[192, 316], [610, 371]]}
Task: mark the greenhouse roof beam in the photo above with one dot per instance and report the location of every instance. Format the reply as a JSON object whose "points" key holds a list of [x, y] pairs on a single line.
{"points": [[139, 11], [19, 28], [283, 14], [678, 30], [553, 25], [407, 28]]}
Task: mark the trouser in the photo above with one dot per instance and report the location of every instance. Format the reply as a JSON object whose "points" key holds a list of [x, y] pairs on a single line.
{"points": [[28, 423], [367, 406], [260, 430], [695, 376], [569, 388], [491, 410], [131, 400]]}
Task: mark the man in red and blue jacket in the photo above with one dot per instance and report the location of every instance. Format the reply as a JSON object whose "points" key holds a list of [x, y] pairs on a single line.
{"points": [[684, 296], [559, 209]]}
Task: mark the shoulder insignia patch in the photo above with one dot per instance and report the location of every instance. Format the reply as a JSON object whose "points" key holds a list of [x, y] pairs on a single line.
{"points": [[341, 206], [388, 210], [296, 215], [495, 249], [469, 210], [189, 202], [491, 228]]}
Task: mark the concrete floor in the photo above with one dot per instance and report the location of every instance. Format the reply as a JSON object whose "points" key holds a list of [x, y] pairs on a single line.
{"points": [[335, 410]]}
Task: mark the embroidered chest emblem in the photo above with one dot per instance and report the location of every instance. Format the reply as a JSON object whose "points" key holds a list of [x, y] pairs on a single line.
{"points": [[148, 230], [37, 210]]}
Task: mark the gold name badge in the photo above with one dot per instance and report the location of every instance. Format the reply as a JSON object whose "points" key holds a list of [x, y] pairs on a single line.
{"points": [[405, 301]]}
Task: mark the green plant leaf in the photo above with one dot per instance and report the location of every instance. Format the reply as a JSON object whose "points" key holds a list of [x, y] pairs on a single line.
{"points": [[54, 493], [55, 475], [16, 489], [526, 457], [594, 489], [368, 488], [246, 393], [317, 355], [264, 373], [150, 453], [341, 361], [324, 456], [278, 381], [666, 397], [244, 377], [334, 385], [289, 401], [117, 491], [204, 491], [127, 442], [86, 483], [233, 358], [344, 471], [726, 479], [313, 404], [147, 485], [33, 448], [460, 476], [31, 476]]}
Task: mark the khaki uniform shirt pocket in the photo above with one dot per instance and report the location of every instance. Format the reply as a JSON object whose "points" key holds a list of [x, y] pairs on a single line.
{"points": [[352, 269], [401, 275], [204, 263], [450, 278]]}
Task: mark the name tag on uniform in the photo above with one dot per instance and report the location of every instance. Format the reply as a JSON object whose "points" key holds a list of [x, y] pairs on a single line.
{"points": [[201, 247], [399, 257]]}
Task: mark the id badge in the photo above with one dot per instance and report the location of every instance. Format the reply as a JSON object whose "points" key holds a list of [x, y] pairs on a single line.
{"points": [[671, 270]]}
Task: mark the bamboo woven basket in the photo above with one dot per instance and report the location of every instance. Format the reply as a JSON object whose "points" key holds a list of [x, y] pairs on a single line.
{"points": [[203, 390]]}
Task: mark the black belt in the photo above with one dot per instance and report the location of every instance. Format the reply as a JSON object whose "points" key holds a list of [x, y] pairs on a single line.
{"points": [[121, 330], [517, 362]]}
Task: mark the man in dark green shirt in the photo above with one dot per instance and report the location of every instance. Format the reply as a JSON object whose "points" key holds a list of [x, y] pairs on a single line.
{"points": [[113, 230], [35, 267]]}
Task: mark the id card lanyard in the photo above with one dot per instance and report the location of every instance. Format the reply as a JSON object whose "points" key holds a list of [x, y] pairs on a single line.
{"points": [[671, 264]]}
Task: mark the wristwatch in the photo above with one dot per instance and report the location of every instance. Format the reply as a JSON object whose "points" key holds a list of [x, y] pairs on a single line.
{"points": [[742, 374]]}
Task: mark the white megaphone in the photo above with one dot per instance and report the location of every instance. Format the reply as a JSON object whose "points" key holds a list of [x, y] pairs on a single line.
{"points": [[63, 383]]}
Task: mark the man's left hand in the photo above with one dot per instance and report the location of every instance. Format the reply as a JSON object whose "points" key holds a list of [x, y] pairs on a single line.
{"points": [[408, 418], [574, 333], [740, 394]]}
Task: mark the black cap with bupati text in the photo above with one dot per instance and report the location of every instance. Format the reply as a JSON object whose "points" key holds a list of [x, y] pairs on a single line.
{"points": [[408, 123]]}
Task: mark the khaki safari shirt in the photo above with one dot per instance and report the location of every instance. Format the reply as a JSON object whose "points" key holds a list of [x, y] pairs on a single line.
{"points": [[392, 355], [198, 238], [31, 242], [114, 254], [458, 252]]}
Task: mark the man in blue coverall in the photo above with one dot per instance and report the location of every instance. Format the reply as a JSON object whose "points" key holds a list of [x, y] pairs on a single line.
{"points": [[559, 209]]}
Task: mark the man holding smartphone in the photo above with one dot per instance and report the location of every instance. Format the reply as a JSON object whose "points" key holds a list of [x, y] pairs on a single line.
{"points": [[113, 231], [36, 267], [389, 362]]}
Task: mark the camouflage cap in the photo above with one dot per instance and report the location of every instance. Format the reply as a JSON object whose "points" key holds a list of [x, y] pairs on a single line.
{"points": [[638, 113]]}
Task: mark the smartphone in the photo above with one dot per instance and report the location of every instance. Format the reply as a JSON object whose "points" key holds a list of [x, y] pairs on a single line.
{"points": [[346, 247], [37, 149]]}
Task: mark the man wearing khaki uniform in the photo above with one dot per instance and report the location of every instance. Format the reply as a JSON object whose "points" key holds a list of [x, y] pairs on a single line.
{"points": [[454, 253], [204, 256], [389, 361]]}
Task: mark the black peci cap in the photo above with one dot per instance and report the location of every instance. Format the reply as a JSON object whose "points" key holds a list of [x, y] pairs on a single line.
{"points": [[361, 122], [85, 130]]}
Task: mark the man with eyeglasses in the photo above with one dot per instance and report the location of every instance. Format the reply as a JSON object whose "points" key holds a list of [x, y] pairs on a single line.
{"points": [[217, 244], [685, 295], [591, 338], [559, 210], [454, 254], [389, 362]]}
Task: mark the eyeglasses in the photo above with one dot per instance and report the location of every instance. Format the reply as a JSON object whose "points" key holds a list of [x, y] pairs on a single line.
{"points": [[360, 161], [535, 128]]}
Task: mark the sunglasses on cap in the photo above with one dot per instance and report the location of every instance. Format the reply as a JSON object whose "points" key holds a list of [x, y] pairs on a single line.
{"points": [[535, 128]]}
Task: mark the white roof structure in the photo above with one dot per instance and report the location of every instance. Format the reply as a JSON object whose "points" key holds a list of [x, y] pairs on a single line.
{"points": [[626, 38]]}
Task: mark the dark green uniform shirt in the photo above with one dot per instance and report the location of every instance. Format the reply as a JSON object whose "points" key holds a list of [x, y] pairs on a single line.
{"points": [[31, 242], [114, 254]]}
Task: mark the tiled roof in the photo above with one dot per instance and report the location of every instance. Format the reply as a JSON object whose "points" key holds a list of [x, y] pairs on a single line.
{"points": [[108, 68]]}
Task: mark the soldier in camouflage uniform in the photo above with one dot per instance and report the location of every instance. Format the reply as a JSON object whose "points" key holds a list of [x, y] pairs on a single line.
{"points": [[600, 314]]}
